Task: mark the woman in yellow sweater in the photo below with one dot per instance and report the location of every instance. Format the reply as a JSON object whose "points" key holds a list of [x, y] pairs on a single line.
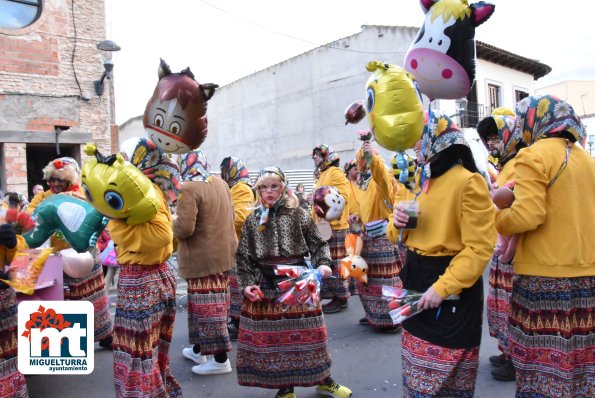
{"points": [[551, 310], [237, 176], [327, 162], [502, 140], [377, 188], [446, 255]]}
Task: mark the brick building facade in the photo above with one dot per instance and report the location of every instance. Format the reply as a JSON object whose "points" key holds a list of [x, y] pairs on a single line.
{"points": [[47, 96]]}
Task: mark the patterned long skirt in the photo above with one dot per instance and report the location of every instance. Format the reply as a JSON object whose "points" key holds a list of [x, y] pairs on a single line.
{"points": [[208, 300], [281, 348], [552, 336], [383, 270], [144, 324], [336, 287], [92, 288], [235, 304], [12, 382], [433, 371], [499, 292]]}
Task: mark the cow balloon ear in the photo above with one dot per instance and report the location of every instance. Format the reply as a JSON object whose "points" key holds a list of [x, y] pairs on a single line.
{"points": [[482, 12], [164, 69], [207, 90], [426, 4]]}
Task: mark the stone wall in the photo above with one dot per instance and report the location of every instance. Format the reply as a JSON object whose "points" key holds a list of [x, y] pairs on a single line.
{"points": [[47, 74]]}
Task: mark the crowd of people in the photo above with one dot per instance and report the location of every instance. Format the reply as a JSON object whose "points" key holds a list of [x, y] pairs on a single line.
{"points": [[232, 233]]}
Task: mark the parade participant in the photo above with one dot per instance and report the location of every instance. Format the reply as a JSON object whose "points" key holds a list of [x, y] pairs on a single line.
{"points": [[12, 382], [146, 306], [16, 200], [300, 193], [63, 177], [498, 134], [350, 169], [205, 231], [327, 162], [281, 232], [237, 176], [550, 316], [376, 185], [37, 188], [446, 255]]}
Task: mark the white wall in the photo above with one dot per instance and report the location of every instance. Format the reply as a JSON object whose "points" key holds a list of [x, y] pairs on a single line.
{"points": [[508, 79]]}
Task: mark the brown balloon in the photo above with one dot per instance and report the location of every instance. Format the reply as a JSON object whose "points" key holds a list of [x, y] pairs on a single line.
{"points": [[355, 112]]}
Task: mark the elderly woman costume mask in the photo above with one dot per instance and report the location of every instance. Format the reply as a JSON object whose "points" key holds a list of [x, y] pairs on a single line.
{"points": [[176, 115]]}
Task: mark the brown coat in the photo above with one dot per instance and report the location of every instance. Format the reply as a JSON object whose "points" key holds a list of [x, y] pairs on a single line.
{"points": [[204, 228]]}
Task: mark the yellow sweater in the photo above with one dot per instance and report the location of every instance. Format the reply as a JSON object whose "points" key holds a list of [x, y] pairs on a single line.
{"points": [[334, 177], [242, 199], [506, 174], [354, 197], [149, 243], [456, 219], [557, 224], [6, 255], [376, 199]]}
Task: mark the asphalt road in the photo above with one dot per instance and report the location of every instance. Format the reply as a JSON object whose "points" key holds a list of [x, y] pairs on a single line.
{"points": [[366, 361]]}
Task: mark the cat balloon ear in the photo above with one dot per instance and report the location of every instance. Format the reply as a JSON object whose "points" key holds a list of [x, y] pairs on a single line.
{"points": [[164, 69], [208, 90]]}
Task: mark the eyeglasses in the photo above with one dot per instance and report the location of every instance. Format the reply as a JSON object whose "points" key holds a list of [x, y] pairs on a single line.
{"points": [[54, 179], [493, 138], [272, 187]]}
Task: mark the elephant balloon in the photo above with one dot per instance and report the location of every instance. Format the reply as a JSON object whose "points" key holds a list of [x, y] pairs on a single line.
{"points": [[78, 222]]}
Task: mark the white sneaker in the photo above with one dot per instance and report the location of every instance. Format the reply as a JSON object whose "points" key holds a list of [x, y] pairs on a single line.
{"points": [[212, 367], [197, 358]]}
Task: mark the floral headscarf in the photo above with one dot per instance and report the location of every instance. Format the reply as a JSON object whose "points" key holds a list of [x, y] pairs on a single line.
{"points": [[348, 166], [158, 167], [440, 133], [194, 166], [547, 116], [234, 171], [328, 155], [263, 209]]}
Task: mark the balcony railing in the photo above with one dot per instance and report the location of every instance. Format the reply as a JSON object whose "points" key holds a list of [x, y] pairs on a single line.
{"points": [[473, 113]]}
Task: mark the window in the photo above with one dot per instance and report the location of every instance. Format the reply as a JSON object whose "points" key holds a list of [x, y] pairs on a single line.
{"points": [[519, 95], [16, 14], [493, 96]]}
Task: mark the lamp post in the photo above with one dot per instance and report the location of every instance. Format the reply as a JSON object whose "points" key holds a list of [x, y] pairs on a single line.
{"points": [[107, 49], [590, 143]]}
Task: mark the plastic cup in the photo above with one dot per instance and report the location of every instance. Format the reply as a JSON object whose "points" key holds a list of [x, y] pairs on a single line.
{"points": [[412, 210]]}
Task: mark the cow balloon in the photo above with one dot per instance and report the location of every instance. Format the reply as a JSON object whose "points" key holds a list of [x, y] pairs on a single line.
{"points": [[442, 57], [175, 118]]}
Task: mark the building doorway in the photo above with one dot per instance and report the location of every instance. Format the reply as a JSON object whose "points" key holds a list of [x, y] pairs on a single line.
{"points": [[39, 155]]}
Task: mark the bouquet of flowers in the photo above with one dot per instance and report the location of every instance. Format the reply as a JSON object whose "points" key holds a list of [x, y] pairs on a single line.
{"points": [[20, 221], [404, 303], [300, 285]]}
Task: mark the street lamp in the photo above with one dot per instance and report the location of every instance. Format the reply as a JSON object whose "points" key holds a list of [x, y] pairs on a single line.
{"points": [[106, 48], [590, 143]]}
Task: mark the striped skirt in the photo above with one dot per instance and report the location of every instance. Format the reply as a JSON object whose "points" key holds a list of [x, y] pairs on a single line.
{"points": [[278, 348], [92, 288], [12, 382], [552, 336], [235, 304], [143, 330], [208, 300], [499, 292], [336, 287], [383, 270], [433, 371]]}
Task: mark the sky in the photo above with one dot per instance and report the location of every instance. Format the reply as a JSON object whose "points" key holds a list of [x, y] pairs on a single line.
{"points": [[224, 40]]}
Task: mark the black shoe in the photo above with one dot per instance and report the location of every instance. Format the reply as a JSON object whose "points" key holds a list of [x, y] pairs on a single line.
{"points": [[232, 331], [364, 321], [107, 343], [505, 372], [498, 360], [334, 306], [390, 329]]}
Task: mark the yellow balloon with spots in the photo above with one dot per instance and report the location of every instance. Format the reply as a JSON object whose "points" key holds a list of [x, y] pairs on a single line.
{"points": [[394, 106], [117, 189]]}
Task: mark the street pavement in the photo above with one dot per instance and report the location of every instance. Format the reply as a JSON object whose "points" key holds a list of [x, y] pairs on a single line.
{"points": [[366, 361]]}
